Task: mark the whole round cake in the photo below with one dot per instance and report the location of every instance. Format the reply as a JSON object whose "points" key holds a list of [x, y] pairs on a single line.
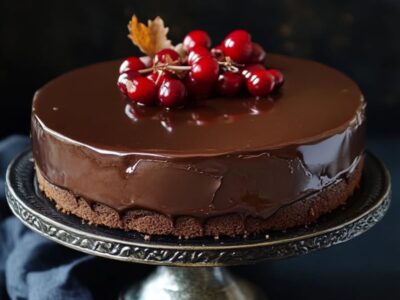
{"points": [[220, 166]]}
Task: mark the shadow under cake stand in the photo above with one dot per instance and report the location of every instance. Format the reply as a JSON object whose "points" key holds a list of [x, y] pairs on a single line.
{"points": [[194, 269]]}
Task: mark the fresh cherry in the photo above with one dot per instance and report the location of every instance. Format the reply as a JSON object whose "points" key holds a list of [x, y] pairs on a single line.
{"points": [[238, 46], [196, 89], [141, 89], [205, 69], [172, 92], [123, 78], [218, 49], [196, 53], [132, 63], [167, 56], [196, 38], [278, 77], [218, 52], [148, 61], [248, 70], [159, 78], [257, 54], [229, 84], [261, 83]]}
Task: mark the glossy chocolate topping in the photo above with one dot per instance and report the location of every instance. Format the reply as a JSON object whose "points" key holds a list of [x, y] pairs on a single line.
{"points": [[214, 157]]}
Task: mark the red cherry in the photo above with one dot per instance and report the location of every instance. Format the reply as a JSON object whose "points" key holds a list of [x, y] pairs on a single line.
{"points": [[154, 76], [141, 89], [219, 49], [278, 77], [196, 53], [257, 54], [261, 83], [158, 78], [147, 61], [198, 90], [172, 92], [123, 78], [196, 38], [238, 46], [206, 69], [248, 70], [166, 55], [229, 84], [132, 63], [121, 83], [218, 52]]}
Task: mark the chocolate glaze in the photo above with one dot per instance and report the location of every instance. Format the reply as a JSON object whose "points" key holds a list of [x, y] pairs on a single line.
{"points": [[213, 157]]}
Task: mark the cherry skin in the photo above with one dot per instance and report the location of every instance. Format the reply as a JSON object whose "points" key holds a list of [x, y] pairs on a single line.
{"points": [[148, 61], [196, 38], [261, 83], [218, 52], [278, 78], [229, 84], [132, 63], [196, 53], [218, 49], [206, 69], [158, 78], [248, 70], [238, 46], [121, 83], [198, 90], [257, 54], [123, 78], [141, 90], [172, 92], [166, 56]]}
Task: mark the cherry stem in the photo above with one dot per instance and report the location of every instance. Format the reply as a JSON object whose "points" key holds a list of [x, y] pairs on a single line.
{"points": [[163, 67], [228, 64]]}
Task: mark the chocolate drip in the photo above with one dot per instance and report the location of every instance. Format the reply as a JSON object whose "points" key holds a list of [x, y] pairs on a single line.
{"points": [[215, 157]]}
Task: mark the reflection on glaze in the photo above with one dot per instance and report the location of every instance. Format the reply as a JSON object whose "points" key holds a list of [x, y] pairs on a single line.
{"points": [[92, 110], [198, 114], [216, 157]]}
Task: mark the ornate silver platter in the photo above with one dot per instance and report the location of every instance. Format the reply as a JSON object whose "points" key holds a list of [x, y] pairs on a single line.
{"points": [[365, 208]]}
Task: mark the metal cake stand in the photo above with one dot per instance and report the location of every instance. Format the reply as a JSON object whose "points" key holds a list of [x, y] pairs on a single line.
{"points": [[194, 269]]}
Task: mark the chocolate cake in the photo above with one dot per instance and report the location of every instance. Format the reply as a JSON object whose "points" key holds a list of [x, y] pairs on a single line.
{"points": [[220, 166]]}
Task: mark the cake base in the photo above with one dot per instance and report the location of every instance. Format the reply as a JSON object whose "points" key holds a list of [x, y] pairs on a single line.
{"points": [[302, 212]]}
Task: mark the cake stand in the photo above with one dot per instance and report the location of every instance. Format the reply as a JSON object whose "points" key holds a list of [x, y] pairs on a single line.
{"points": [[194, 269]]}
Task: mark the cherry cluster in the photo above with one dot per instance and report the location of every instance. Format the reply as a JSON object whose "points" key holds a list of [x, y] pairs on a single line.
{"points": [[199, 72]]}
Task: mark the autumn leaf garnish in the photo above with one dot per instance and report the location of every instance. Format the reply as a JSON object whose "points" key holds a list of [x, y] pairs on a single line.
{"points": [[151, 38], [181, 51], [168, 74]]}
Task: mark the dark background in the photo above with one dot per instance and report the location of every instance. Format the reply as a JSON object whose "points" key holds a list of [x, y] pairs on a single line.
{"points": [[42, 39]]}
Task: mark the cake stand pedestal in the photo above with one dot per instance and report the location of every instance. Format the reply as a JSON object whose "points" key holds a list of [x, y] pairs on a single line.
{"points": [[194, 269]]}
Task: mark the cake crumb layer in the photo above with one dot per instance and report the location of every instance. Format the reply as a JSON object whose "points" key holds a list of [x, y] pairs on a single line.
{"points": [[302, 212]]}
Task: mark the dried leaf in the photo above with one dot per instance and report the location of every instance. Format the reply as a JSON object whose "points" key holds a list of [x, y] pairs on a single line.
{"points": [[182, 52], [151, 38]]}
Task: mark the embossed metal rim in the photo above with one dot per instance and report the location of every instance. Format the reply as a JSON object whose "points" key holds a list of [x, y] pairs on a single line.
{"points": [[364, 210]]}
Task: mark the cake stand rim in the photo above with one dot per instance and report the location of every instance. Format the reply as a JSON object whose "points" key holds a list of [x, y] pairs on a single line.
{"points": [[12, 195]]}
